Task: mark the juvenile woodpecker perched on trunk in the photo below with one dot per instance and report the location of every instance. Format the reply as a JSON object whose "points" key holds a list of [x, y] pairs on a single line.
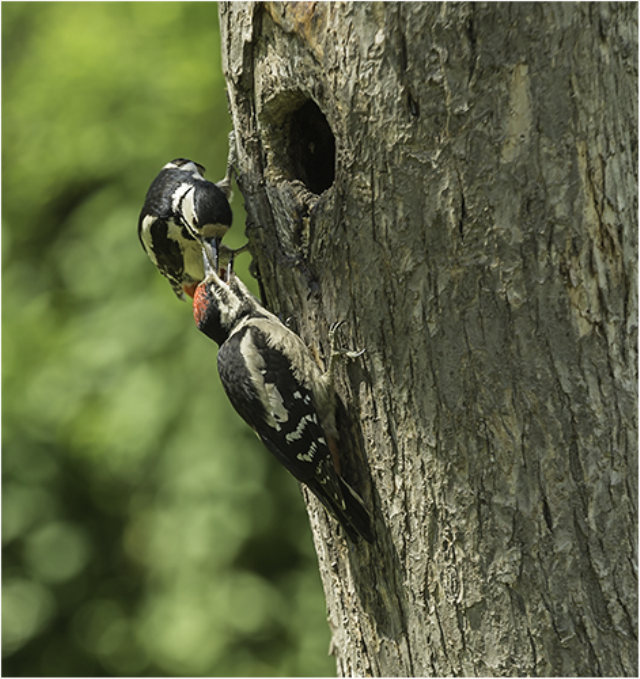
{"points": [[276, 386], [181, 211]]}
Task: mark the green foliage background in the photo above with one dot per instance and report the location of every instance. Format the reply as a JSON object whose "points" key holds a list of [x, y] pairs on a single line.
{"points": [[145, 530]]}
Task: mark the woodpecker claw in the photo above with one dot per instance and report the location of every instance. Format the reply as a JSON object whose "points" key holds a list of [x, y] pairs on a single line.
{"points": [[337, 353]]}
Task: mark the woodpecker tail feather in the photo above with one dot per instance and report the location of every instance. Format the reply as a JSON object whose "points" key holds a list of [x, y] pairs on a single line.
{"points": [[356, 512], [354, 517]]}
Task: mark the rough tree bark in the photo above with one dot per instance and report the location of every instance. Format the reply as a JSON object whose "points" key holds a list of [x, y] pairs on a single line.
{"points": [[458, 182]]}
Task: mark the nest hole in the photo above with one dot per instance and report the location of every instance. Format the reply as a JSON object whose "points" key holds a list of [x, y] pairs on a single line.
{"points": [[311, 148]]}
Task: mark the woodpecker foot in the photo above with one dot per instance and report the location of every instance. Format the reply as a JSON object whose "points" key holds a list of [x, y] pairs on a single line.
{"points": [[338, 353], [225, 256], [335, 351]]}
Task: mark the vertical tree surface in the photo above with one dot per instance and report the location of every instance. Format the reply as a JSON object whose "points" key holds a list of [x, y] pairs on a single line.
{"points": [[458, 182]]}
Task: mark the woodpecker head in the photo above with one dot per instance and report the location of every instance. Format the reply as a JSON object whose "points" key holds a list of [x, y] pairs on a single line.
{"points": [[182, 212], [186, 165], [219, 305]]}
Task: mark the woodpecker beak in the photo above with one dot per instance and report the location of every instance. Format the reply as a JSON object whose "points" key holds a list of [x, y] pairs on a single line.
{"points": [[214, 245], [218, 258], [210, 257]]}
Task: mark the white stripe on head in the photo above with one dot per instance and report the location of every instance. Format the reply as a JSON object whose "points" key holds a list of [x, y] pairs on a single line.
{"points": [[178, 195], [228, 303], [182, 204], [189, 209], [187, 166], [193, 169]]}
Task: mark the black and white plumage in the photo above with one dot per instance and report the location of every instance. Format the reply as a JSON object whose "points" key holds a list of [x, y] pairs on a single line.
{"points": [[276, 386], [181, 210]]}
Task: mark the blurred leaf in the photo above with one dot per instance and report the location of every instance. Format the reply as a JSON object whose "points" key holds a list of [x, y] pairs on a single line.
{"points": [[145, 529], [26, 607]]}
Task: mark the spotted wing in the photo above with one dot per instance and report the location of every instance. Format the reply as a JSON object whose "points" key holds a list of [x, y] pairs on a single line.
{"points": [[261, 385]]}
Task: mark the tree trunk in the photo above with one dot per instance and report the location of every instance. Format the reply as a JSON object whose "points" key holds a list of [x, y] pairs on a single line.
{"points": [[458, 182]]}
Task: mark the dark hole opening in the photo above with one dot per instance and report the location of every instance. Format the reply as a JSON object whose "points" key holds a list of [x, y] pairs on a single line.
{"points": [[312, 148]]}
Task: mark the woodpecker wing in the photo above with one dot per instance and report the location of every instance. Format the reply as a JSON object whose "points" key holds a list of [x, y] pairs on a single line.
{"points": [[260, 382], [261, 386], [165, 251], [165, 239]]}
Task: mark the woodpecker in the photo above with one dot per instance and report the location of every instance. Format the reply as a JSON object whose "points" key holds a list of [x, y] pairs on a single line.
{"points": [[181, 211], [278, 389]]}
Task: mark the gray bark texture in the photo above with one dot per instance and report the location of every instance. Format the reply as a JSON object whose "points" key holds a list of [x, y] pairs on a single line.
{"points": [[458, 182]]}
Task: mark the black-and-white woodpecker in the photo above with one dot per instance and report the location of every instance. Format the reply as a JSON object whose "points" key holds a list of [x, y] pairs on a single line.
{"points": [[276, 386], [181, 211]]}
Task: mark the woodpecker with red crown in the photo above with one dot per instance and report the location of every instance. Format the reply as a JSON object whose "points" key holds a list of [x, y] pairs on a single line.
{"points": [[268, 373], [276, 386]]}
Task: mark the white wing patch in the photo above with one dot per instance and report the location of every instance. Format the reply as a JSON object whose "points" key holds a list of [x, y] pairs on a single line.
{"points": [[147, 223], [308, 456], [281, 338], [277, 412], [299, 430], [268, 392]]}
